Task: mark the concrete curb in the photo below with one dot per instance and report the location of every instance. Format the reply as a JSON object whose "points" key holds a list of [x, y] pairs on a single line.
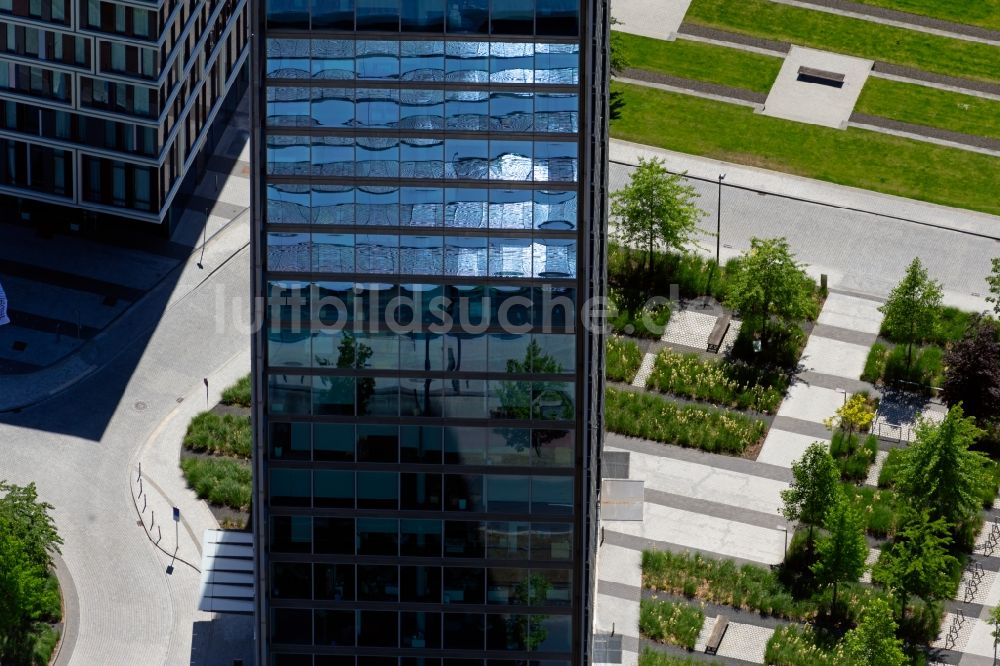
{"points": [[71, 613]]}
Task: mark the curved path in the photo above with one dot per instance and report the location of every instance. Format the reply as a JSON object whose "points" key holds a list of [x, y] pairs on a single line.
{"points": [[130, 611]]}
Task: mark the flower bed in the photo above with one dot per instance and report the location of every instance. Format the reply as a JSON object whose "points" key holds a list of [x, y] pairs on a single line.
{"points": [[238, 393], [888, 365], [726, 383], [796, 645], [880, 508], [226, 435], [670, 622], [622, 359], [650, 417], [852, 457], [221, 481], [650, 657]]}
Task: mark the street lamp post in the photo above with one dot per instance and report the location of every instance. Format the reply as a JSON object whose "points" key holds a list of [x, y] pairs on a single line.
{"points": [[718, 223], [784, 528]]}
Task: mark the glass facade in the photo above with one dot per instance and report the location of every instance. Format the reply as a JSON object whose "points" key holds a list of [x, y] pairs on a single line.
{"points": [[429, 233]]}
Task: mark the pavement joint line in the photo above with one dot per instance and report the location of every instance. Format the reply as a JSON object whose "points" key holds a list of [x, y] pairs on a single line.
{"points": [[689, 91], [619, 590], [640, 544], [801, 427], [745, 188], [714, 509], [925, 138], [733, 45], [824, 380], [841, 334], [861, 16], [730, 463], [857, 294]]}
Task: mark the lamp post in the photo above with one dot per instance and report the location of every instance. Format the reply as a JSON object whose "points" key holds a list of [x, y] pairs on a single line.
{"points": [[784, 528], [718, 222], [844, 391]]}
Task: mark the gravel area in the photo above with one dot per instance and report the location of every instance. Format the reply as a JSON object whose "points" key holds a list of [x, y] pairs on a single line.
{"points": [[921, 75], [907, 17], [934, 132], [733, 37], [700, 86]]}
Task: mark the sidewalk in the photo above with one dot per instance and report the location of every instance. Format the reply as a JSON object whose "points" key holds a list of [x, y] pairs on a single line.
{"points": [[810, 190]]}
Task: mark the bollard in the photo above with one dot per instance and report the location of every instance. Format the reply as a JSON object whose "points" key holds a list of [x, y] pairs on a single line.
{"points": [[152, 519], [143, 504]]}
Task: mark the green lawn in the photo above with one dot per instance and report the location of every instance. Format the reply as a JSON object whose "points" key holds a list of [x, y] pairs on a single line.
{"points": [[932, 107], [854, 157], [985, 13], [858, 37], [702, 62]]}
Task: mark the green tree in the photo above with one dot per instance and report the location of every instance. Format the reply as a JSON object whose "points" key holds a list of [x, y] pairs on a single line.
{"points": [[28, 538], [993, 282], [618, 60], [814, 486], [917, 563], [995, 622], [842, 552], [873, 642], [855, 414], [912, 309], [768, 282], [939, 474], [656, 207]]}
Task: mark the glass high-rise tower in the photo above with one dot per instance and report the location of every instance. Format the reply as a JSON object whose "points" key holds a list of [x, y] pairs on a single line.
{"points": [[429, 242]]}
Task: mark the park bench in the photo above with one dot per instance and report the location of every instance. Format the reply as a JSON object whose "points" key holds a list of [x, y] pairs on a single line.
{"points": [[718, 332], [822, 76], [715, 638]]}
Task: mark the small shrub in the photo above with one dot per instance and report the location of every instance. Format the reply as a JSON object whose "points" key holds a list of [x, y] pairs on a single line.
{"points": [[881, 508], [650, 657], [669, 622], [226, 435], [794, 645], [890, 468], [622, 359], [650, 417], [221, 481], [852, 459], [45, 639], [785, 345], [238, 393]]}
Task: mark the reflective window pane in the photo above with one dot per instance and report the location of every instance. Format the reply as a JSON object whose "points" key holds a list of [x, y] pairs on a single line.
{"points": [[423, 15], [513, 17], [381, 15], [333, 59], [470, 16], [420, 60]]}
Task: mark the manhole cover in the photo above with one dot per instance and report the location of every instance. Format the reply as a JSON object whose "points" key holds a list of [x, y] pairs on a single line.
{"points": [[140, 406]]}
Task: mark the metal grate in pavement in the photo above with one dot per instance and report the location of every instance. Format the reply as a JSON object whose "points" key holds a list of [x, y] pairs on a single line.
{"points": [[614, 465], [607, 649]]}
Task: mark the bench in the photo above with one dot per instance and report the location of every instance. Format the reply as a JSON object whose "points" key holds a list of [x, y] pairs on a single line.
{"points": [[715, 638], [718, 332], [822, 76]]}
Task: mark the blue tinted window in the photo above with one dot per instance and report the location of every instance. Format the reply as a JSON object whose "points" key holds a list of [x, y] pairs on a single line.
{"points": [[377, 206], [287, 155], [333, 107], [288, 58], [510, 257], [467, 110], [288, 14], [381, 351], [378, 254], [333, 14], [332, 59], [556, 112], [510, 209], [377, 107], [333, 489], [513, 17], [333, 253], [333, 395], [421, 109], [466, 208], [423, 16], [467, 159], [287, 204], [421, 61], [378, 15], [467, 62], [468, 16], [332, 156], [288, 252], [557, 63], [464, 256], [554, 258], [421, 158], [420, 255], [332, 204], [512, 62], [377, 157], [557, 17], [555, 210], [382, 399], [378, 59], [290, 487], [511, 111], [555, 161], [421, 206], [511, 160]]}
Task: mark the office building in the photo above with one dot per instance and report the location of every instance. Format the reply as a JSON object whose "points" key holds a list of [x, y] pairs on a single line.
{"points": [[107, 107], [428, 235]]}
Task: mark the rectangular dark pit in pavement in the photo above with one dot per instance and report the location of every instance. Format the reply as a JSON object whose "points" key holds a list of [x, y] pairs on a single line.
{"points": [[55, 326]]}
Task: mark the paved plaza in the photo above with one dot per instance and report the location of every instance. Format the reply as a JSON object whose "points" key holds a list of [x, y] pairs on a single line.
{"points": [[800, 98], [659, 19]]}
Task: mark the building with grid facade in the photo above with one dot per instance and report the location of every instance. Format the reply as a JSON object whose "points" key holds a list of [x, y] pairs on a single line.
{"points": [[106, 106], [428, 235]]}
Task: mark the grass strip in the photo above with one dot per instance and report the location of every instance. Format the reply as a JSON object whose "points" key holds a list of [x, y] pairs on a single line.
{"points": [[221, 481], [669, 622], [702, 62], [983, 13], [854, 157], [921, 105], [622, 359], [857, 37], [721, 382], [226, 435], [649, 417]]}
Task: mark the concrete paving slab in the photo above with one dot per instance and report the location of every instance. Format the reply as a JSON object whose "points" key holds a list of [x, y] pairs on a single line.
{"points": [[707, 483], [715, 535], [619, 565], [792, 98], [876, 468], [980, 638], [703, 635], [622, 614], [783, 448], [745, 641], [810, 403], [834, 357], [689, 328], [962, 637], [645, 370], [852, 312], [650, 18], [873, 555]]}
